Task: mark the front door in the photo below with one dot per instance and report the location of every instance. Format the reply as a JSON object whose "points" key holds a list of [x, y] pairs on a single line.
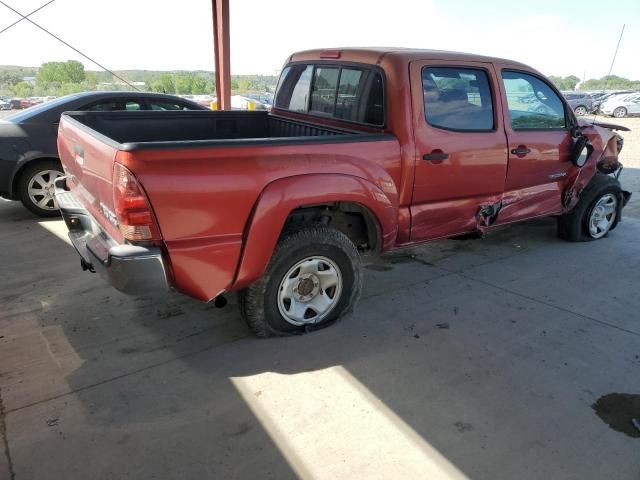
{"points": [[461, 151], [539, 147]]}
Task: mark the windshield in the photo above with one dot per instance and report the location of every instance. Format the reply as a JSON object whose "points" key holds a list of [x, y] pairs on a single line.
{"points": [[30, 112]]}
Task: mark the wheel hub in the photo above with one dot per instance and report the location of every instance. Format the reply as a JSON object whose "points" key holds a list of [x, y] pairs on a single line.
{"points": [[310, 290], [603, 216], [307, 288], [41, 189]]}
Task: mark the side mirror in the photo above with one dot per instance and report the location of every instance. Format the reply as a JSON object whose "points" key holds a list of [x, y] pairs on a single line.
{"points": [[581, 151]]}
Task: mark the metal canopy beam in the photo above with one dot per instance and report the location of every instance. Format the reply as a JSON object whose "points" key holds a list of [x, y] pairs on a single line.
{"points": [[221, 51]]}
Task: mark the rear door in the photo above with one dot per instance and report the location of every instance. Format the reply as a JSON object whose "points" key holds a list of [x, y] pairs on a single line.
{"points": [[539, 139], [461, 151]]}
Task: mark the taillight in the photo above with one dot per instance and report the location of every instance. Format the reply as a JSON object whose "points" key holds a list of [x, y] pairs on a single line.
{"points": [[133, 213]]}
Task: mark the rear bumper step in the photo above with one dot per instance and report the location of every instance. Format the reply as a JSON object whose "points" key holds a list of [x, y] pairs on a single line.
{"points": [[131, 269]]}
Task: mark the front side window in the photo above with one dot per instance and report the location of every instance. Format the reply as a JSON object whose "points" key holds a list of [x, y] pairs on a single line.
{"points": [[532, 103], [457, 98], [346, 93]]}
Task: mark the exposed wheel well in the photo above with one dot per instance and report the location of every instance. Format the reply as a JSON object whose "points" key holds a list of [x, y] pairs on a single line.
{"points": [[18, 175], [354, 220]]}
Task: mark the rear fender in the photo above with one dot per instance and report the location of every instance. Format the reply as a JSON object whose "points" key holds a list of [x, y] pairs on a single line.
{"points": [[283, 196]]}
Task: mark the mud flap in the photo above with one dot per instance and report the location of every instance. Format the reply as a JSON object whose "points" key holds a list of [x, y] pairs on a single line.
{"points": [[625, 199]]}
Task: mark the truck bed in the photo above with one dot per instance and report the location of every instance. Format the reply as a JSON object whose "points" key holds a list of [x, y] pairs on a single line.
{"points": [[129, 131], [205, 172]]}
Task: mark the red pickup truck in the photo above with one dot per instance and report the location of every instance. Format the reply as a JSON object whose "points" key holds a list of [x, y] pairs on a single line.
{"points": [[364, 151]]}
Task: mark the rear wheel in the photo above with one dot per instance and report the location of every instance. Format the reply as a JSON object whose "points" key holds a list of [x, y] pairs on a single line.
{"points": [[313, 278], [620, 112], [596, 213], [580, 110], [36, 187]]}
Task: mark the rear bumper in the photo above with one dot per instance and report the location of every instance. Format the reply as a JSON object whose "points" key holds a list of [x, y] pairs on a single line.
{"points": [[131, 269]]}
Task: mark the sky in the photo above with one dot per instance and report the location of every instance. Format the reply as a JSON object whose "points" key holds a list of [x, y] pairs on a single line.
{"points": [[561, 37]]}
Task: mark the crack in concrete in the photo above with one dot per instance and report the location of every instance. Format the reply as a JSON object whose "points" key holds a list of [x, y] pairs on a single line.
{"points": [[5, 438]]}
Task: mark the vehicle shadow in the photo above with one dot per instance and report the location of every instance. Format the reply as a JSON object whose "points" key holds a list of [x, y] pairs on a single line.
{"points": [[485, 376]]}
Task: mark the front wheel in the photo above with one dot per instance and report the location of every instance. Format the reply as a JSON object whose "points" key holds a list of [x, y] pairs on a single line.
{"points": [[36, 187], [313, 278], [580, 110], [620, 112], [596, 213]]}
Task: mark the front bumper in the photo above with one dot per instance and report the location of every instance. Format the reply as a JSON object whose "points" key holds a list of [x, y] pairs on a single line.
{"points": [[131, 269]]}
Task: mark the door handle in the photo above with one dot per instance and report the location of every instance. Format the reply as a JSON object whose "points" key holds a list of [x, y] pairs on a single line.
{"points": [[520, 151], [436, 156]]}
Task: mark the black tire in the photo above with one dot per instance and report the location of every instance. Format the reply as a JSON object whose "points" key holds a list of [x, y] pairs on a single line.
{"points": [[24, 180], [259, 302], [580, 110], [573, 226], [619, 112]]}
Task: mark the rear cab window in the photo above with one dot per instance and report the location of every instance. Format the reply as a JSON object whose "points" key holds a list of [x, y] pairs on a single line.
{"points": [[343, 92]]}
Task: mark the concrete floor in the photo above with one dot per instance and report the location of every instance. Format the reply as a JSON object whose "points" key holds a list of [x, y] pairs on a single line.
{"points": [[475, 359]]}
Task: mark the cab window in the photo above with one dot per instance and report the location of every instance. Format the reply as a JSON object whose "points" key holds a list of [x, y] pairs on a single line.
{"points": [[343, 92], [323, 91], [457, 98], [533, 104]]}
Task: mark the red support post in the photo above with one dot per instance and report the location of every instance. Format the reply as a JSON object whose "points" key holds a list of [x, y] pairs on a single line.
{"points": [[221, 50]]}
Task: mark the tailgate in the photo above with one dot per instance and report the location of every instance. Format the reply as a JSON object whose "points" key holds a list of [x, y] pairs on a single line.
{"points": [[87, 159]]}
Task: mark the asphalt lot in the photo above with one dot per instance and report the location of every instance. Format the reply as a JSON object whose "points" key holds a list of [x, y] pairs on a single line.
{"points": [[479, 359]]}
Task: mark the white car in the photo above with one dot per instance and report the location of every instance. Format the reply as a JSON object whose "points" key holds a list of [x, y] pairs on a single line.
{"points": [[621, 105], [5, 105]]}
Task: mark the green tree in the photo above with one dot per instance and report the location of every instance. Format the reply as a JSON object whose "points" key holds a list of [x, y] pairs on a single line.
{"points": [[23, 89], [565, 83], [163, 84], [183, 84], [71, 71], [245, 84], [611, 82], [200, 86], [91, 78], [50, 72]]}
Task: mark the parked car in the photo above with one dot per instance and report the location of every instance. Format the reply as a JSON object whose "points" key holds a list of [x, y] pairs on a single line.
{"points": [[15, 104], [28, 154], [29, 102], [4, 105], [621, 105], [580, 102], [601, 97], [364, 151]]}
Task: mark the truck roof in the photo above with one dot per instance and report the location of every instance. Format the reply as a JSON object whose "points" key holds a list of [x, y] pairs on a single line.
{"points": [[374, 55]]}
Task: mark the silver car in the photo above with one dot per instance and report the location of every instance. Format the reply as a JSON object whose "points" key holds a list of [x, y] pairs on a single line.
{"points": [[621, 105]]}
